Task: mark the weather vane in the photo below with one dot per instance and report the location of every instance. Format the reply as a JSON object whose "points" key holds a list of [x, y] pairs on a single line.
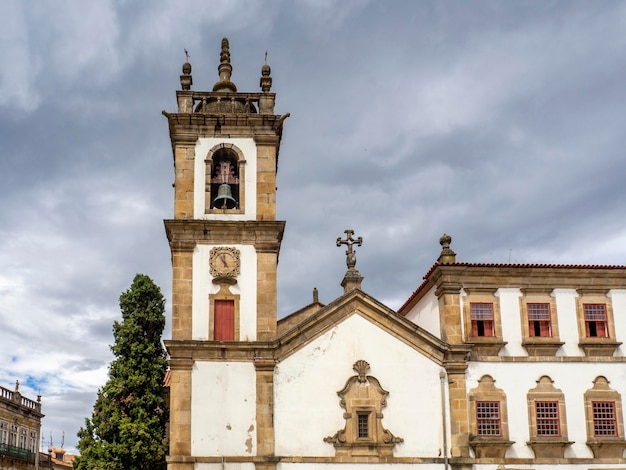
{"points": [[186, 54], [349, 242]]}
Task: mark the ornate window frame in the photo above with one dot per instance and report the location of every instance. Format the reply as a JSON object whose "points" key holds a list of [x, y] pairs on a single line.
{"points": [[547, 446], [488, 445], [363, 396], [483, 345], [596, 345], [539, 345], [241, 172], [604, 446]]}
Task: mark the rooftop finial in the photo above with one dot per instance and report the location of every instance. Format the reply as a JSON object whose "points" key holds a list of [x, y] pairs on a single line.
{"points": [[225, 70], [266, 80], [352, 279], [447, 255], [185, 79]]}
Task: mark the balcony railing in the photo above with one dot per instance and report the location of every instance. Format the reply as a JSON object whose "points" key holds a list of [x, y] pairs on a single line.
{"points": [[24, 455]]}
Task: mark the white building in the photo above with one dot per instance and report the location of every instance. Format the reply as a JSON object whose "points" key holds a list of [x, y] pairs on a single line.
{"points": [[484, 367]]}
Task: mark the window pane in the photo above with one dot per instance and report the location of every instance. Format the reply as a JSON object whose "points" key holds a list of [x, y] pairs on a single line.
{"points": [[363, 425], [481, 311], [488, 418], [604, 422], [538, 311], [547, 417], [595, 312]]}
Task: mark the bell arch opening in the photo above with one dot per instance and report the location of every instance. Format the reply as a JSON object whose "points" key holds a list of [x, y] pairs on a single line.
{"points": [[224, 173]]}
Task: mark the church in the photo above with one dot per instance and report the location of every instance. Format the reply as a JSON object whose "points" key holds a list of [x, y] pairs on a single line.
{"points": [[484, 367]]}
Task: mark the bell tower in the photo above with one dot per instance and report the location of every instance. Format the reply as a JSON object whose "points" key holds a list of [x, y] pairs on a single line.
{"points": [[224, 241]]}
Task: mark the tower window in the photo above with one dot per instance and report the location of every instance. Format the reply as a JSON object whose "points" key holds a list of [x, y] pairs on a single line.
{"points": [[539, 320], [482, 319], [224, 320]]}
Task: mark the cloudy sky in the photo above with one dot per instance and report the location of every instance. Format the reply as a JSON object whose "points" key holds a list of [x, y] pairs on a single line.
{"points": [[500, 123]]}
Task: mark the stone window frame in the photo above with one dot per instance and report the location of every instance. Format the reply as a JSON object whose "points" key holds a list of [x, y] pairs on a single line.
{"points": [[224, 293], [363, 395], [607, 446], [596, 345], [482, 345], [241, 171], [488, 445], [539, 345], [547, 446]]}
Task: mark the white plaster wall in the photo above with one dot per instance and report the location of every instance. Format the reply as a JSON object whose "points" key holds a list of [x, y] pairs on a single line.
{"points": [[225, 466], [511, 321], [567, 320], [248, 148], [246, 287], [357, 466], [223, 409], [426, 313], [572, 378], [307, 407]]}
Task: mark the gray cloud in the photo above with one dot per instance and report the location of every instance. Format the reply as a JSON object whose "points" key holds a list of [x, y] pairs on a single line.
{"points": [[497, 122]]}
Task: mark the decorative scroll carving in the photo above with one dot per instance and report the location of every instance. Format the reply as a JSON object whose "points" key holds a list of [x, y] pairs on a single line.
{"points": [[363, 399]]}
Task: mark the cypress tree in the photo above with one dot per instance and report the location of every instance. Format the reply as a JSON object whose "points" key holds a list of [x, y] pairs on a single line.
{"points": [[127, 428]]}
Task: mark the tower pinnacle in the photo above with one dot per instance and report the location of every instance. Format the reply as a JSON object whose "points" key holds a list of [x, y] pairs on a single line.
{"points": [[225, 70]]}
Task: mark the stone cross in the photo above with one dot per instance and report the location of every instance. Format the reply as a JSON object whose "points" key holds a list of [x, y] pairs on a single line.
{"points": [[349, 241]]}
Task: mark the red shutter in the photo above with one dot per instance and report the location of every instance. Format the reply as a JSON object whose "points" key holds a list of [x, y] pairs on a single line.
{"points": [[224, 320], [488, 324], [474, 328], [544, 328]]}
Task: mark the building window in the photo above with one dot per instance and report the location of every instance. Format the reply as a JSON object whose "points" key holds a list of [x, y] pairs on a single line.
{"points": [[605, 425], [595, 320], [548, 426], [488, 418], [604, 421], [224, 320], [363, 428], [539, 320], [482, 319], [489, 434], [547, 418]]}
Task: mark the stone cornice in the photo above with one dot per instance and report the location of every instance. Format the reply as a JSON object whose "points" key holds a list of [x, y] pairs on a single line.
{"points": [[185, 234]]}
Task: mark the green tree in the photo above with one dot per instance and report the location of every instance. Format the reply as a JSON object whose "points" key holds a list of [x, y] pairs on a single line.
{"points": [[127, 428]]}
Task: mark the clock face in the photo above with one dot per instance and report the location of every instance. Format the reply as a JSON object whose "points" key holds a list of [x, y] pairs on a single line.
{"points": [[224, 261]]}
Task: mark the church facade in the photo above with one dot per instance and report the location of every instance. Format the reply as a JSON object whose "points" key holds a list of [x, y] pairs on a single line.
{"points": [[485, 366]]}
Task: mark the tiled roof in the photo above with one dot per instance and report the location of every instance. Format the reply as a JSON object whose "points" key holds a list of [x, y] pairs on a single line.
{"points": [[505, 265]]}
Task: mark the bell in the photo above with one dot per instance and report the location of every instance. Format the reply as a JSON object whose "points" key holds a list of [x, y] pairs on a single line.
{"points": [[224, 199]]}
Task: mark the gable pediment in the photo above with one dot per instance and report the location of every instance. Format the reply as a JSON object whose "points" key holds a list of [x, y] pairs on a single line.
{"points": [[357, 302]]}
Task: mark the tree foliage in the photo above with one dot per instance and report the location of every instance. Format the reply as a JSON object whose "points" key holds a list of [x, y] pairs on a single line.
{"points": [[127, 427]]}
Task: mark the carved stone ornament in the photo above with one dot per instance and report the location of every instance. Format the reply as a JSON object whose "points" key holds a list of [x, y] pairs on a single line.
{"points": [[363, 399], [224, 261]]}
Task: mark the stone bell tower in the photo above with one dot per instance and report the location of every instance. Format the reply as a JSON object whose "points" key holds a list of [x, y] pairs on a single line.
{"points": [[224, 240]]}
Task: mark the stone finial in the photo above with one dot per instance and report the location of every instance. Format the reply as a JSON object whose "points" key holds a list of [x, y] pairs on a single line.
{"points": [[352, 279], [17, 385], [266, 80], [185, 79], [447, 256], [225, 70], [316, 297]]}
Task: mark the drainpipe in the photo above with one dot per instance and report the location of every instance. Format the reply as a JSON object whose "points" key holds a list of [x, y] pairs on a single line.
{"points": [[442, 377]]}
